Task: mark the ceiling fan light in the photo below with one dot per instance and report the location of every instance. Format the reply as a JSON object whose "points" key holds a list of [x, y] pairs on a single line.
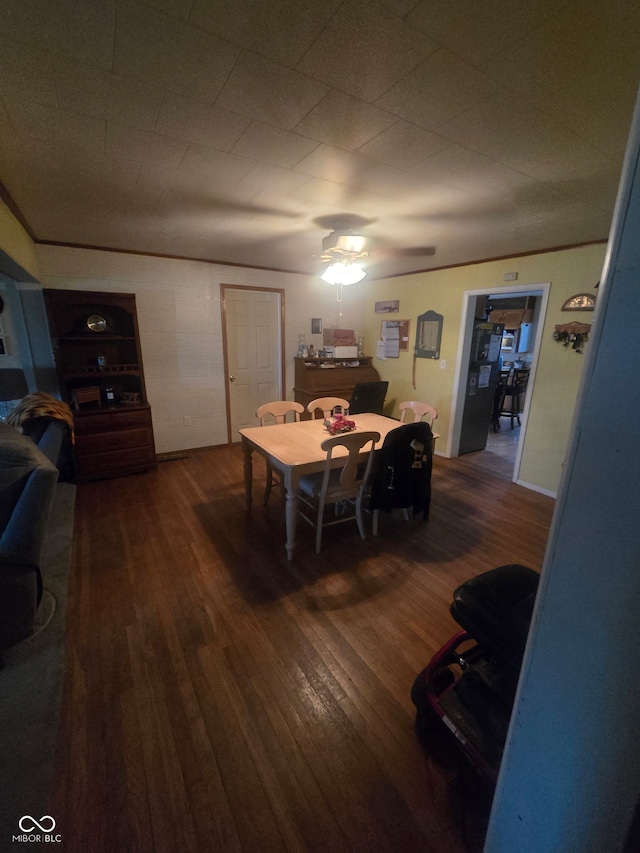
{"points": [[343, 273]]}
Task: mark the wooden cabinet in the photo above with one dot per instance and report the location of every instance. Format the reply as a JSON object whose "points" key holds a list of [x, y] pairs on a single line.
{"points": [[330, 377], [96, 345]]}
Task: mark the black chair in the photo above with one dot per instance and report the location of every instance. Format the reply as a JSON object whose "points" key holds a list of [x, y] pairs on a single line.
{"points": [[402, 472], [515, 391], [368, 397], [498, 398]]}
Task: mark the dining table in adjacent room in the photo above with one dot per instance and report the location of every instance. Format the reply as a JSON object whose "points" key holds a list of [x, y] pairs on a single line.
{"points": [[294, 450]]}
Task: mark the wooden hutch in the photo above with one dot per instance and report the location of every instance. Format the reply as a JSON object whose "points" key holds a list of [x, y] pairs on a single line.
{"points": [[96, 345], [331, 377]]}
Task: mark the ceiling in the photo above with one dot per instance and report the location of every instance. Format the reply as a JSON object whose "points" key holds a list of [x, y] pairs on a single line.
{"points": [[238, 130]]}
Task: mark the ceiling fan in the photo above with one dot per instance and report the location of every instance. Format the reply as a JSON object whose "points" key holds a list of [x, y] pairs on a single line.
{"points": [[347, 242]]}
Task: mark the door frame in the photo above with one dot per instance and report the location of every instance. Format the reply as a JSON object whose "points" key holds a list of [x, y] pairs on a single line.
{"points": [[541, 289], [224, 288]]}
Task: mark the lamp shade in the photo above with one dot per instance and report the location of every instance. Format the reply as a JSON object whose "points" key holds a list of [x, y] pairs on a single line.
{"points": [[343, 272], [13, 384]]}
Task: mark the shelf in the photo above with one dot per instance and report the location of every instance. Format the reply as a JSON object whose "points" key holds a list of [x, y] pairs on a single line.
{"points": [[97, 372], [94, 339]]}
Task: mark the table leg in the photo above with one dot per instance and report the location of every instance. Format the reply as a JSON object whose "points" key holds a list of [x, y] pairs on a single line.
{"points": [[248, 471], [291, 511]]}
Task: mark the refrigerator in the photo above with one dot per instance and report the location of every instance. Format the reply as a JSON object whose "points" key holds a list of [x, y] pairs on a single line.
{"points": [[481, 382]]}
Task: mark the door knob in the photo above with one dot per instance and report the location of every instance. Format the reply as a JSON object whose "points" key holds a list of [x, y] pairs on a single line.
{"points": [[232, 379]]}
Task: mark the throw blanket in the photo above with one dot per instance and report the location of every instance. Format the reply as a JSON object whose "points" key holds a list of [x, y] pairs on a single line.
{"points": [[41, 405]]}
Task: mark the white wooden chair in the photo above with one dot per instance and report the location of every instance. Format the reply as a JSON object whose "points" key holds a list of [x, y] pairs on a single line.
{"points": [[421, 411], [343, 486], [276, 412], [327, 405]]}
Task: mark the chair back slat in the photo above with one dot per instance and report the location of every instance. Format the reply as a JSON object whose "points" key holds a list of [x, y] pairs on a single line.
{"points": [[327, 406], [421, 412], [278, 411]]}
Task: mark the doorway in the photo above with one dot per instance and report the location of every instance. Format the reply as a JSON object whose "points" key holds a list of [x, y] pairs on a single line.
{"points": [[252, 339], [512, 454]]}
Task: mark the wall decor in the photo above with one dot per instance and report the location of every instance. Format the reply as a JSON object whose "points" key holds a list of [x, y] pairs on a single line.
{"points": [[580, 302], [388, 328], [316, 326], [391, 306], [572, 334]]}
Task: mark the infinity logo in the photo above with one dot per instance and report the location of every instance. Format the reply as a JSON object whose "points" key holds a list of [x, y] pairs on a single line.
{"points": [[32, 823]]}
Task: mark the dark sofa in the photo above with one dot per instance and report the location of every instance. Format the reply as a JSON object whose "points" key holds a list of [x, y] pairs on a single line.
{"points": [[28, 477]]}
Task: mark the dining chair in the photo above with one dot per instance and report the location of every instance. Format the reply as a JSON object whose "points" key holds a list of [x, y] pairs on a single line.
{"points": [[402, 474], [276, 412], [498, 398], [514, 390], [327, 406], [368, 397], [421, 411], [343, 486]]}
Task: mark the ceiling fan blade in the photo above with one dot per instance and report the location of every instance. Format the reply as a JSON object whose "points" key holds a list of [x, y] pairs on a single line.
{"points": [[413, 251]]}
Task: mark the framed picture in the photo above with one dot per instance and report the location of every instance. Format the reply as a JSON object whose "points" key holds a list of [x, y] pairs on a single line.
{"points": [[391, 306], [316, 326]]}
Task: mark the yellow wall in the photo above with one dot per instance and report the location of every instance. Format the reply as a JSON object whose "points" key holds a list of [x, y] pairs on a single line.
{"points": [[558, 375], [15, 241]]}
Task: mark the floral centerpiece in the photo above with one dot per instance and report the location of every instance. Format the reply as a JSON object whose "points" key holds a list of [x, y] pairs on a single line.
{"points": [[338, 423]]}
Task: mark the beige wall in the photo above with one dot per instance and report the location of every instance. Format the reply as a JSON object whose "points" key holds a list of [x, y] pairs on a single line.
{"points": [[15, 241], [181, 328], [554, 394]]}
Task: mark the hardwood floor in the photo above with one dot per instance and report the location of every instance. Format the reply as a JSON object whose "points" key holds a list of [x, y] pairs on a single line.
{"points": [[220, 698]]}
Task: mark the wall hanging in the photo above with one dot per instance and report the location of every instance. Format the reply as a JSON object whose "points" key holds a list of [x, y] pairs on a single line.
{"points": [[572, 334]]}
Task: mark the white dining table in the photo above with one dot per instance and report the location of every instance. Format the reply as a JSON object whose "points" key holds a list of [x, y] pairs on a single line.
{"points": [[294, 450]]}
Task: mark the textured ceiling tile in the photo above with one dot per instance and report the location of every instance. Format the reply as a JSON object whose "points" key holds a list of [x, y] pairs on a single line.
{"points": [[387, 181], [199, 123], [464, 28], [42, 122], [164, 52], [279, 29], [545, 88], [440, 88], [26, 74], [129, 143], [333, 164], [322, 192], [216, 169], [82, 31], [494, 125], [265, 91], [576, 42], [263, 178], [403, 145], [271, 145], [459, 167], [365, 50], [101, 94], [344, 121]]}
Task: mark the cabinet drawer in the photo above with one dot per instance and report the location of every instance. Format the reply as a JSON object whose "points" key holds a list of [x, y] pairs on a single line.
{"points": [[115, 461], [121, 439], [111, 420]]}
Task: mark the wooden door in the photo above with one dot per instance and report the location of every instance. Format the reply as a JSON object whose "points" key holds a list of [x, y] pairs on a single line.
{"points": [[254, 367]]}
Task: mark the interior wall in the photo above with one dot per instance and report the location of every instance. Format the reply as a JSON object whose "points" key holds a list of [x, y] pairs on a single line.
{"points": [[17, 245], [180, 322], [570, 775], [554, 394]]}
